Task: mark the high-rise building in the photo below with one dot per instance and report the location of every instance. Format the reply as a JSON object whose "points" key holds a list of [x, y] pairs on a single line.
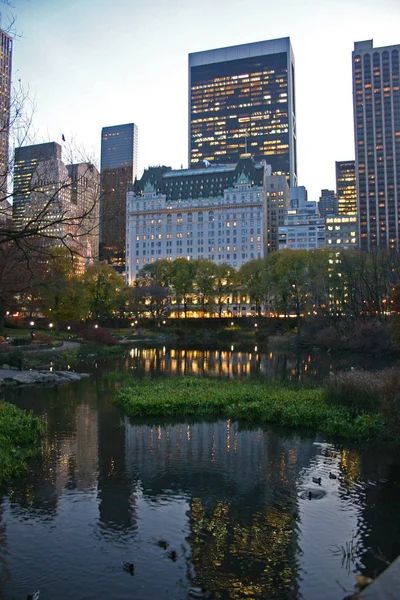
{"points": [[346, 191], [5, 101], [242, 100], [328, 204], [277, 207], [118, 170], [59, 202], [376, 102], [40, 179], [85, 194]]}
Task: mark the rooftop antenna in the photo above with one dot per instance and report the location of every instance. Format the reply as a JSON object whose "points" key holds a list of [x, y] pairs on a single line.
{"points": [[246, 134]]}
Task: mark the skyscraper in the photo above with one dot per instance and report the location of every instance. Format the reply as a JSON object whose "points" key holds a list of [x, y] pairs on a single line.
{"points": [[346, 191], [5, 100], [40, 178], [242, 100], [118, 170], [376, 102], [85, 193]]}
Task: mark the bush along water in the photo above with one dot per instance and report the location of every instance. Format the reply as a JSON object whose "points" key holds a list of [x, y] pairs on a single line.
{"points": [[374, 392], [20, 437], [246, 400]]}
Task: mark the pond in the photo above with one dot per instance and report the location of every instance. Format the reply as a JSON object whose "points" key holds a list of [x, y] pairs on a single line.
{"points": [[231, 500]]}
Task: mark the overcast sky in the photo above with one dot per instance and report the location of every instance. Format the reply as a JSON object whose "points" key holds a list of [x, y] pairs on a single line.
{"points": [[92, 63]]}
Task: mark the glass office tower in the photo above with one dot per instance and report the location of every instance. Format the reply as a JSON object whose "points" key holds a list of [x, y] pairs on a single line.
{"points": [[346, 187], [376, 103], [118, 170], [242, 100]]}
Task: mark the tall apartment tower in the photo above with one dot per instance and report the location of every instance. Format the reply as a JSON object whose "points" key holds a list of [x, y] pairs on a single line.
{"points": [[118, 170], [346, 191], [242, 100], [5, 101], [376, 102]]}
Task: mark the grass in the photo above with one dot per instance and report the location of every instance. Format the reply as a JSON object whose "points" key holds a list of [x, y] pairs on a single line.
{"points": [[370, 391], [20, 435], [244, 400]]}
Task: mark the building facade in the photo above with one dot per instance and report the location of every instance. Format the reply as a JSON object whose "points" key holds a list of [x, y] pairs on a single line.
{"points": [[60, 201], [277, 207], [242, 99], [85, 195], [341, 232], [40, 180], [376, 103], [218, 213], [328, 204], [346, 187], [5, 102], [303, 229], [118, 170]]}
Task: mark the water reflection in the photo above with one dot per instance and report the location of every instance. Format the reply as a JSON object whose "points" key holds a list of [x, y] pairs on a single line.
{"points": [[300, 366], [229, 498]]}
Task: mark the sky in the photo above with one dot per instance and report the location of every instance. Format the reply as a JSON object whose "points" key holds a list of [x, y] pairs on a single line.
{"points": [[94, 63]]}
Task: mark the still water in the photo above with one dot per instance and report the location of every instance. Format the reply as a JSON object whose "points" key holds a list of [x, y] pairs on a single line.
{"points": [[231, 499]]}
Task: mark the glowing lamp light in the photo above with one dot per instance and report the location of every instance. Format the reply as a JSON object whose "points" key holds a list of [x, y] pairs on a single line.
{"points": [[255, 325], [69, 327], [164, 322], [231, 322], [96, 326], [32, 323], [51, 325]]}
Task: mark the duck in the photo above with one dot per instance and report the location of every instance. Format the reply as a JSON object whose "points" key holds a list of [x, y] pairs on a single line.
{"points": [[332, 475], [163, 544], [128, 567], [198, 592], [172, 554], [317, 480], [34, 596]]}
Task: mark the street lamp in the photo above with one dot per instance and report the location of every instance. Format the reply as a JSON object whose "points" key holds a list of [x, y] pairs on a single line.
{"points": [[96, 326], [32, 323], [51, 325]]}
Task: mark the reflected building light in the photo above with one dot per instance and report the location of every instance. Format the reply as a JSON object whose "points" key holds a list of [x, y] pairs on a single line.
{"points": [[163, 350], [255, 348]]}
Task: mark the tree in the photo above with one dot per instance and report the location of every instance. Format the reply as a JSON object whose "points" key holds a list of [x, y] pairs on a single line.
{"points": [[103, 285], [252, 280], [152, 286], [61, 291], [204, 282], [223, 285], [287, 274], [183, 273]]}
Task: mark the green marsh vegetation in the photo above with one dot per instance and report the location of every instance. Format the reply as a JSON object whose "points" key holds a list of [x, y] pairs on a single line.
{"points": [[250, 400], [20, 436]]}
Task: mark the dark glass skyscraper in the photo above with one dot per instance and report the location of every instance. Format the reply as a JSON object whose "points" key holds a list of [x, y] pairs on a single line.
{"points": [[376, 102], [118, 170], [242, 100]]}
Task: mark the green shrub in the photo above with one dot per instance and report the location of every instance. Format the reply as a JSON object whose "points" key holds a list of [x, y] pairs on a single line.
{"points": [[247, 400], [20, 435]]}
